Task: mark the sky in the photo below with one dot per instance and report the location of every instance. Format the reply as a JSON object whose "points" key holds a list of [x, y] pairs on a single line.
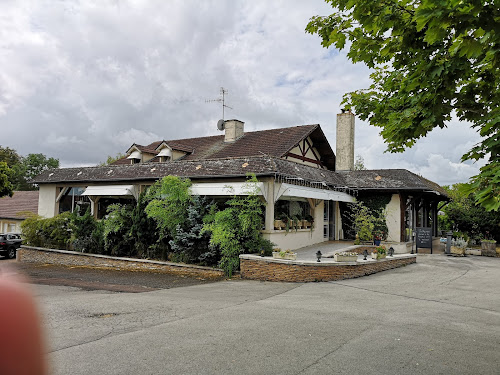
{"points": [[81, 80]]}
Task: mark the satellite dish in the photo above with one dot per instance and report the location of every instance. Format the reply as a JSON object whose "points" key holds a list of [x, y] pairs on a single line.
{"points": [[220, 124]]}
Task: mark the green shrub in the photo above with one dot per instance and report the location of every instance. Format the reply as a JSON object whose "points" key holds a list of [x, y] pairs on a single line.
{"points": [[117, 238], [189, 244], [54, 232], [87, 233], [236, 229]]}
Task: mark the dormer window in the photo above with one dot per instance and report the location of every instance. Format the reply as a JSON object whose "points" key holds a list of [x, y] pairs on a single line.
{"points": [[135, 157], [165, 155]]}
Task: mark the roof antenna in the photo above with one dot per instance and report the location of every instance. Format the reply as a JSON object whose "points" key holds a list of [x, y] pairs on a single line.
{"points": [[222, 99]]}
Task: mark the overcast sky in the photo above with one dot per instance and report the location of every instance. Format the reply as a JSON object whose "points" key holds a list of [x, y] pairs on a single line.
{"points": [[81, 79]]}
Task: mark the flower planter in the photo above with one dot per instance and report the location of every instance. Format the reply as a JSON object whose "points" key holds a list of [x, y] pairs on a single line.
{"points": [[460, 251], [306, 224], [376, 242], [378, 256], [286, 256], [279, 224], [488, 249], [345, 258]]}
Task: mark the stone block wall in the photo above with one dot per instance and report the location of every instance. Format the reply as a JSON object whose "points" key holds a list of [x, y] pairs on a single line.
{"points": [[255, 268], [71, 258]]}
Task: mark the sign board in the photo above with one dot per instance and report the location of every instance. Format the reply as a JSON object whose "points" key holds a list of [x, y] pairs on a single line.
{"points": [[424, 237]]}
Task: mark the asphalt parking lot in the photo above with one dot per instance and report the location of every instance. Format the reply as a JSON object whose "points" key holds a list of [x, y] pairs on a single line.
{"points": [[439, 316]]}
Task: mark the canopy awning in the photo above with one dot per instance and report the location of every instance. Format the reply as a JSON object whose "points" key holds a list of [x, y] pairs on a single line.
{"points": [[228, 188], [288, 190], [112, 191]]}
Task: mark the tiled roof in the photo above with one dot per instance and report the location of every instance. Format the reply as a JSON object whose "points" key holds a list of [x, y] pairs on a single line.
{"points": [[273, 142], [389, 179], [231, 167], [381, 179], [15, 207]]}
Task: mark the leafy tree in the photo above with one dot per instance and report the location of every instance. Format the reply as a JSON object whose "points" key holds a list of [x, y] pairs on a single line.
{"points": [[9, 156], [5, 184], [431, 59], [359, 165], [464, 216], [111, 159], [30, 167], [23, 169]]}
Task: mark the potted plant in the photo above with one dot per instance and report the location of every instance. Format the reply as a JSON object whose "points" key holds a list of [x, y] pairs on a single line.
{"points": [[458, 246], [488, 247], [377, 237], [307, 222], [346, 256], [380, 252]]}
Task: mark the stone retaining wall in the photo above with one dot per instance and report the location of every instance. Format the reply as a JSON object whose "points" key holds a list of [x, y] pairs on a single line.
{"points": [[267, 269], [71, 258]]}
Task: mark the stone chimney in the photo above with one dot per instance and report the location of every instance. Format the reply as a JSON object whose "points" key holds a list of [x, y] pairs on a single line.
{"points": [[345, 141], [233, 130]]}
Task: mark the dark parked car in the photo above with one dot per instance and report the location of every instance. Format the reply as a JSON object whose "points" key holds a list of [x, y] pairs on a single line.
{"points": [[9, 243]]}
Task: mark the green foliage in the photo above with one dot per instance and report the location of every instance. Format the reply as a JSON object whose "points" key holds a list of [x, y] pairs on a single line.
{"points": [[54, 232], [169, 200], [431, 59], [5, 184], [117, 238], [363, 221], [23, 169], [9, 156], [111, 159], [359, 165], [87, 232], [143, 232], [377, 203], [466, 218], [190, 244], [236, 229]]}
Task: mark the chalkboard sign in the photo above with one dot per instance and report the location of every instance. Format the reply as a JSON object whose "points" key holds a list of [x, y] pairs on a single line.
{"points": [[424, 237]]}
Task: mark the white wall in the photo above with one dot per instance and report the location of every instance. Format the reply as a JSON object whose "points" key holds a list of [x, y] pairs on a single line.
{"points": [[300, 238], [47, 200], [393, 218]]}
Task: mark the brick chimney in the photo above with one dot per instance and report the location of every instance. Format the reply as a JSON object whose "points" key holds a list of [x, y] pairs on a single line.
{"points": [[233, 130], [345, 141]]}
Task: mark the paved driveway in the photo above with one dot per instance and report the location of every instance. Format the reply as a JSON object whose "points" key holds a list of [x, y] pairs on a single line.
{"points": [[439, 316]]}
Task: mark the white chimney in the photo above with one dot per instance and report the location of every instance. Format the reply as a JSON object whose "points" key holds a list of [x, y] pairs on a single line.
{"points": [[233, 130], [345, 141]]}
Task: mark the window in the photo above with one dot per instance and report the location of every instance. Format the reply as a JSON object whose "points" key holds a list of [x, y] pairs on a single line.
{"points": [[292, 209], [72, 199]]}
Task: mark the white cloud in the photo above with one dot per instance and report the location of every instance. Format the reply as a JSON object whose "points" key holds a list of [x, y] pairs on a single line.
{"points": [[93, 75]]}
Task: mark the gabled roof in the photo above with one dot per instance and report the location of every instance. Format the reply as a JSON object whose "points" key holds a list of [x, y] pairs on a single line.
{"points": [[390, 179], [15, 207], [273, 142]]}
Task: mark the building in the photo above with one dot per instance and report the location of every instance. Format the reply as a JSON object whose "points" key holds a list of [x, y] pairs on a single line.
{"points": [[15, 209], [299, 176]]}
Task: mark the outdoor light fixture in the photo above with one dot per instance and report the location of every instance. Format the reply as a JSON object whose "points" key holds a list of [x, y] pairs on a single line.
{"points": [[318, 255], [391, 251], [365, 254]]}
